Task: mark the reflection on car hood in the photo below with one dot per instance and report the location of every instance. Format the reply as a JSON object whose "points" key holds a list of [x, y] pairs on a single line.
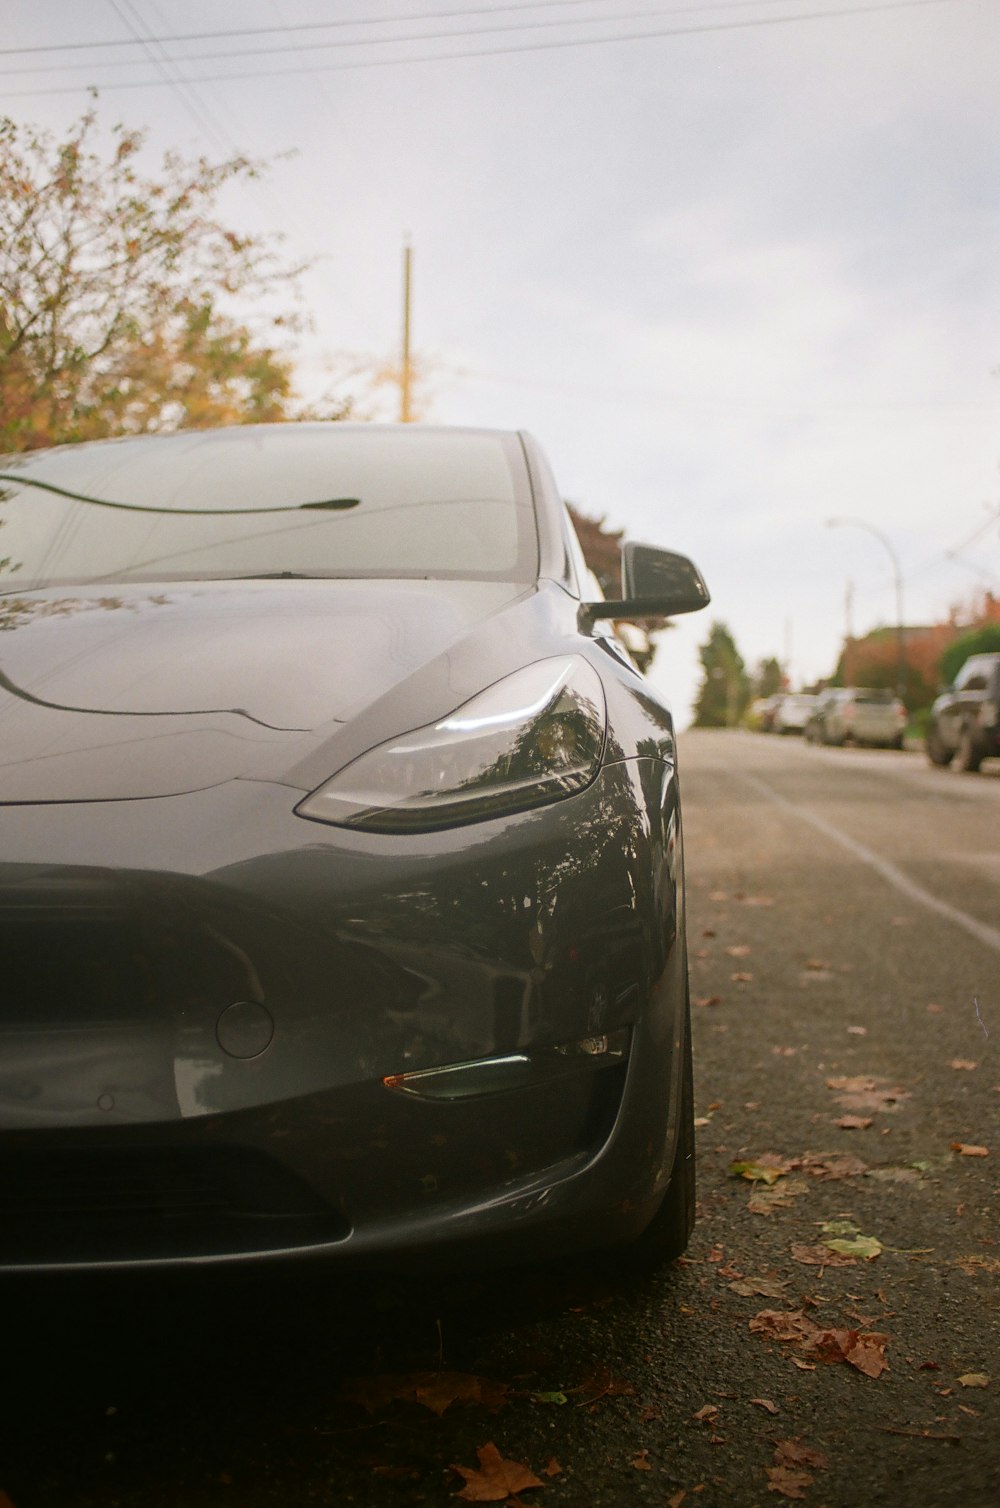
{"points": [[116, 693]]}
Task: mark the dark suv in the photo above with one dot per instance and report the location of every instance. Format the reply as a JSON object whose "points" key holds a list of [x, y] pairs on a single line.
{"points": [[965, 721]]}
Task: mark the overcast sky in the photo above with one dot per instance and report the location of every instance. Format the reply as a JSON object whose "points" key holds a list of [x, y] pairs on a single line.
{"points": [[736, 266]]}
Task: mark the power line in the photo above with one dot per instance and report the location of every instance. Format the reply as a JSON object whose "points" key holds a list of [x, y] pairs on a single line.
{"points": [[260, 31], [380, 41], [497, 52]]}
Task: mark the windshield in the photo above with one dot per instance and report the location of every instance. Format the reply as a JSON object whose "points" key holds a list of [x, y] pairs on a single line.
{"points": [[269, 500]]}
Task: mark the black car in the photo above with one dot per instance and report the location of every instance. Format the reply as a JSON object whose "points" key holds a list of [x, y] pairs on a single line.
{"points": [[341, 875], [964, 723]]}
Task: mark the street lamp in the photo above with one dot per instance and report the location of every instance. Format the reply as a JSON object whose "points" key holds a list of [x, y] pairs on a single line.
{"points": [[861, 523]]}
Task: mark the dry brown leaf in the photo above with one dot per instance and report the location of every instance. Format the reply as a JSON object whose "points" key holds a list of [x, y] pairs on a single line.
{"points": [[794, 1453], [854, 1122], [784, 1052], [975, 1264], [707, 1414], [766, 1405], [640, 1463], [963, 1063], [741, 977], [552, 1468], [739, 950], [831, 1165], [765, 1288], [788, 1482], [496, 1480], [821, 1256], [818, 963], [756, 900], [674, 1502], [974, 1380], [862, 1092], [708, 1000], [864, 1350], [436, 1391], [966, 1151]]}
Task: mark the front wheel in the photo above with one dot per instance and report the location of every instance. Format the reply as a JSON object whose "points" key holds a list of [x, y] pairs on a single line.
{"points": [[667, 1234], [967, 756], [937, 751]]}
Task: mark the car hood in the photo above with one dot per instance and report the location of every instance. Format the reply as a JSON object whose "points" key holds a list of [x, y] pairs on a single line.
{"points": [[112, 694]]}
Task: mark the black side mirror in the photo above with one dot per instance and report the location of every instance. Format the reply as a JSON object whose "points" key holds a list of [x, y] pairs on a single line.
{"points": [[655, 584]]}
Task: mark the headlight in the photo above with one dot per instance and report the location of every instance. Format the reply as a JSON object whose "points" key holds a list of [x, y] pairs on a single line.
{"points": [[533, 737]]}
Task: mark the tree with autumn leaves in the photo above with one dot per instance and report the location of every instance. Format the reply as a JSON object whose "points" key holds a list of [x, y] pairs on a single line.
{"points": [[117, 288]]}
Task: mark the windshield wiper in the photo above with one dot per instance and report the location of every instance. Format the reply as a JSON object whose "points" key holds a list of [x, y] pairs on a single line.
{"points": [[333, 504]]}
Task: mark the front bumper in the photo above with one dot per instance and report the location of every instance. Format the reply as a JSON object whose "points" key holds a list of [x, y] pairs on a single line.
{"points": [[197, 1028]]}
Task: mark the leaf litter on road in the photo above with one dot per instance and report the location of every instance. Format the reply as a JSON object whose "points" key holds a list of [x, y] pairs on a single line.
{"points": [[862, 1349], [436, 1391]]}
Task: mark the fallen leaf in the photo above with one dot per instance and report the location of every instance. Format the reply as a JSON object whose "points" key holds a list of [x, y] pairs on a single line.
{"points": [[803, 1366], [718, 895], [935, 1010], [790, 1483], [674, 1502], [640, 1463], [708, 1000], [756, 900], [739, 950], [857, 1031], [496, 1480], [966, 1151], [766, 1405], [963, 1063], [784, 1052], [794, 1453], [847, 1241], [601, 1384], [436, 1391], [708, 931], [741, 977], [974, 1380], [708, 1413], [820, 1256], [854, 1122], [763, 1171], [553, 1469], [555, 1398], [764, 1201], [975, 1264], [818, 963], [836, 1165], [862, 1092], [765, 1288]]}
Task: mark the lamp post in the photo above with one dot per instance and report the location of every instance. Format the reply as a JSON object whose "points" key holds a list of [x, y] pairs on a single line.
{"points": [[861, 523]]}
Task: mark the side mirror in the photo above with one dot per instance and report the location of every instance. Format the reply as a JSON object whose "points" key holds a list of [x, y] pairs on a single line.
{"points": [[656, 584]]}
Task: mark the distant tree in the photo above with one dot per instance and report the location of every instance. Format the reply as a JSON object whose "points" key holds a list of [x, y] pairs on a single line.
{"points": [[978, 641], [725, 689], [114, 293], [768, 677]]}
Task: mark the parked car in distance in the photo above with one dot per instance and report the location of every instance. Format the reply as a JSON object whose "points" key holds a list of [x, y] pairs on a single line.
{"points": [[859, 715], [964, 723], [341, 873], [793, 712]]}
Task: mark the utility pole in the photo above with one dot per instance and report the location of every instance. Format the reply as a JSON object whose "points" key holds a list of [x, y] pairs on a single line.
{"points": [[862, 523], [405, 368]]}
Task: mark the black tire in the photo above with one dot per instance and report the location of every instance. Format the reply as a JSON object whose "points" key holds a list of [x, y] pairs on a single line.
{"points": [[937, 752], [968, 757], [897, 742], [667, 1234]]}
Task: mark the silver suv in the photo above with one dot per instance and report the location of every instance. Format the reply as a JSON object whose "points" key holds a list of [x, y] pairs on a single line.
{"points": [[964, 723], [860, 715]]}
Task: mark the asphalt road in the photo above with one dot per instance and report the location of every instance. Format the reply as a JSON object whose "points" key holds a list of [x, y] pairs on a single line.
{"points": [[845, 937]]}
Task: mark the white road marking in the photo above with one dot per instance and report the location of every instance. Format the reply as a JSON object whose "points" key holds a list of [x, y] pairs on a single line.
{"points": [[990, 936]]}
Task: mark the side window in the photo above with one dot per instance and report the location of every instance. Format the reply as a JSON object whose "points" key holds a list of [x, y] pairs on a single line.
{"points": [[972, 676]]}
